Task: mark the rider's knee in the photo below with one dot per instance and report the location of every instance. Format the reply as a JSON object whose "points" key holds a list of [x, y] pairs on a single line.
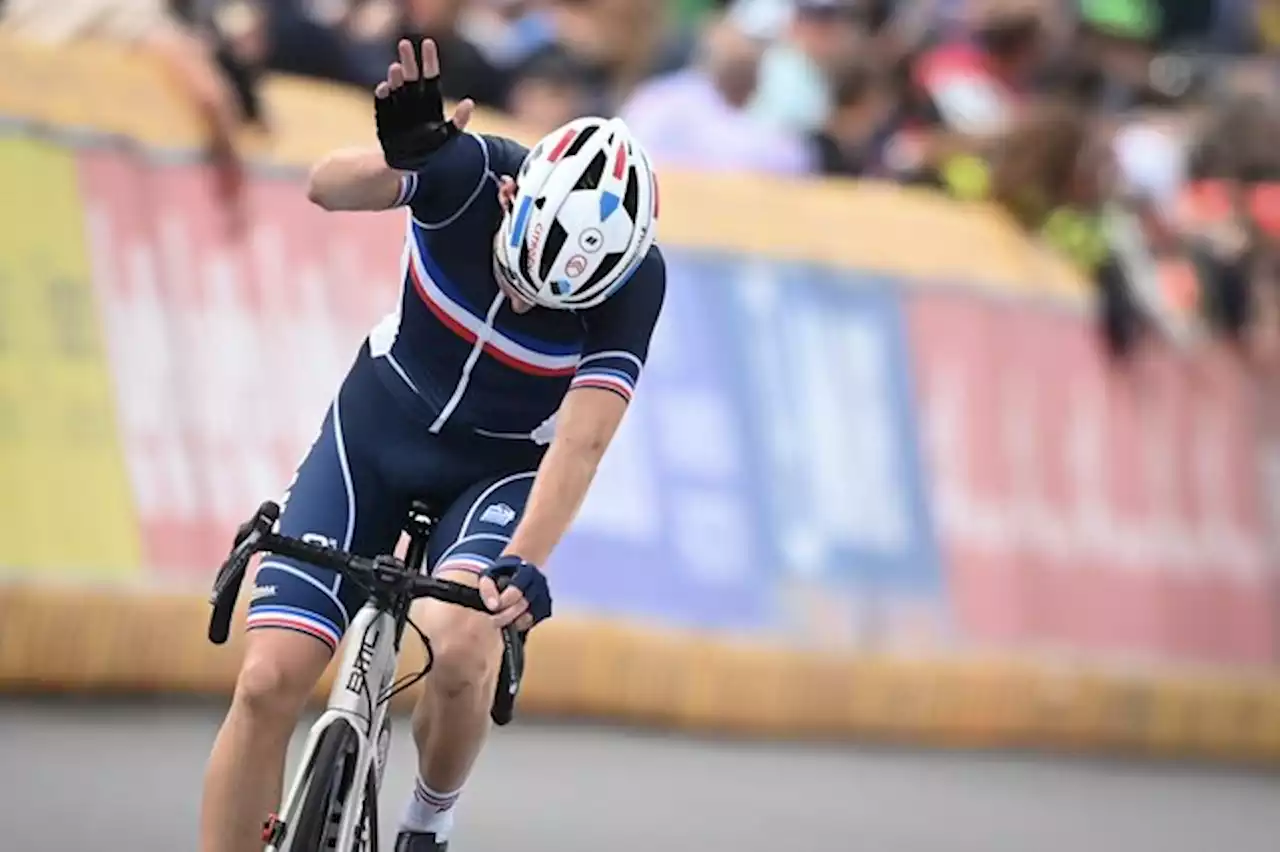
{"points": [[465, 653], [272, 689]]}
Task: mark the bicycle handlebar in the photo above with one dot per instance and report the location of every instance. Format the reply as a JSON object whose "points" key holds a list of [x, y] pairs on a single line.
{"points": [[384, 573]]}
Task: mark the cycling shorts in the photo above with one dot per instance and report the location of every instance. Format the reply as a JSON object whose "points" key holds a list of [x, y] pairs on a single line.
{"points": [[353, 491]]}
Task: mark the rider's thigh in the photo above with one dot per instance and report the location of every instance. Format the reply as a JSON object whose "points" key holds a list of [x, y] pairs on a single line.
{"points": [[279, 671], [477, 526], [299, 612], [471, 534], [338, 498]]}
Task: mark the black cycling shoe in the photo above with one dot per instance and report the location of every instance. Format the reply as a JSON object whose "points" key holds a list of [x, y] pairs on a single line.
{"points": [[418, 841]]}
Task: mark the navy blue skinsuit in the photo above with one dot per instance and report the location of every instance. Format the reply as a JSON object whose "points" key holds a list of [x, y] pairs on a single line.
{"points": [[451, 398]]}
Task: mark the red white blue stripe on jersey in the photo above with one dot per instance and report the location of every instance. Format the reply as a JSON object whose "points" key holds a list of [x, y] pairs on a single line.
{"points": [[616, 381], [293, 618], [471, 327], [612, 370]]}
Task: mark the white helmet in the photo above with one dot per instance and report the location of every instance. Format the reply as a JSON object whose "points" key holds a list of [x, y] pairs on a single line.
{"points": [[583, 219]]}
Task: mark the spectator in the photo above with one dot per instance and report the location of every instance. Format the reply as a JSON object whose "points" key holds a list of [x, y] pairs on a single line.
{"points": [[1266, 25], [909, 28], [794, 91], [1228, 217], [974, 86], [628, 41], [1151, 157], [1197, 25], [1238, 141], [550, 89], [238, 33], [697, 118], [692, 14], [1048, 162], [1115, 47], [852, 141], [347, 41], [509, 31], [152, 27], [1050, 172], [470, 74]]}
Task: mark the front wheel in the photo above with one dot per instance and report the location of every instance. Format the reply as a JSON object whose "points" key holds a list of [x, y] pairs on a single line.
{"points": [[367, 829], [332, 774]]}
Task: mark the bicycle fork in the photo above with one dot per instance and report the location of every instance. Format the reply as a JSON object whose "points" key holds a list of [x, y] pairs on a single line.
{"points": [[367, 670]]}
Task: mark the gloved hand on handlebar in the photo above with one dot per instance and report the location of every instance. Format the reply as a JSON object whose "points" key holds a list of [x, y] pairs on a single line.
{"points": [[525, 601]]}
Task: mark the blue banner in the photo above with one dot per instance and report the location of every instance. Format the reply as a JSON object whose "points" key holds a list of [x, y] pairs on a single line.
{"points": [[772, 447]]}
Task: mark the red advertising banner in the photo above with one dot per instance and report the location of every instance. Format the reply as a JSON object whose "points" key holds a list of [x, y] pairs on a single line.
{"points": [[209, 429], [1080, 505], [1086, 506]]}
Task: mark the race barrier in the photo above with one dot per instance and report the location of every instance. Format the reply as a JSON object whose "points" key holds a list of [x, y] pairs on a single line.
{"points": [[879, 480]]}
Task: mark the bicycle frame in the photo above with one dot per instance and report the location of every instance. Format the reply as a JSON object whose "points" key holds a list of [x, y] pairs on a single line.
{"points": [[364, 676], [365, 679]]}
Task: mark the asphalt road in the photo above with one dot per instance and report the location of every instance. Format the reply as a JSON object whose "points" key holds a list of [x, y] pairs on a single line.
{"points": [[126, 777]]}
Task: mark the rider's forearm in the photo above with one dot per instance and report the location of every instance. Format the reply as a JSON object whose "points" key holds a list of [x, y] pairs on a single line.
{"points": [[558, 491], [354, 179]]}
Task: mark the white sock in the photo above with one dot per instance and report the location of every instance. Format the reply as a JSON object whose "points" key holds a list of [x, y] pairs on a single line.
{"points": [[430, 811]]}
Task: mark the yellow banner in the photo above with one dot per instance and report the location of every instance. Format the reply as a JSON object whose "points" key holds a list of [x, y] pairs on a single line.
{"points": [[65, 504]]}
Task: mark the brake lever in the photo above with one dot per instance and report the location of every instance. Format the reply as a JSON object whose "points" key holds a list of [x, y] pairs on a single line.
{"points": [[511, 671], [226, 587], [510, 675]]}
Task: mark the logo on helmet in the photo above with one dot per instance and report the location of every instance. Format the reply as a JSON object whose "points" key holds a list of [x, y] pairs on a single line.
{"points": [[591, 240], [576, 266]]}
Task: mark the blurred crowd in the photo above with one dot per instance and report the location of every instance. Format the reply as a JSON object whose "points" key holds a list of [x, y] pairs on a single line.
{"points": [[1137, 137]]}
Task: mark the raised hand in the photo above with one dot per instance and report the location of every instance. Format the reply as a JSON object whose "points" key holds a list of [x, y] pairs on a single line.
{"points": [[409, 108]]}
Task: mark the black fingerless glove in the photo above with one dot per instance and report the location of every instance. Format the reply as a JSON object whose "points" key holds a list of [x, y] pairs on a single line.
{"points": [[411, 124]]}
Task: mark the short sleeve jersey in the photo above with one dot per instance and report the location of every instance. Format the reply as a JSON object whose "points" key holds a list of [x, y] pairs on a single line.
{"points": [[454, 348]]}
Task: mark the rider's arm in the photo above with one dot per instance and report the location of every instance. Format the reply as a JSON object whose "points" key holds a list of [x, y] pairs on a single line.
{"points": [[360, 179], [618, 334], [584, 427], [356, 179]]}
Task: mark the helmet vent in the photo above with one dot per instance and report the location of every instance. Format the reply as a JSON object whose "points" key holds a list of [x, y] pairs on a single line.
{"points": [[581, 140], [591, 177], [556, 238], [606, 266], [524, 260], [631, 201]]}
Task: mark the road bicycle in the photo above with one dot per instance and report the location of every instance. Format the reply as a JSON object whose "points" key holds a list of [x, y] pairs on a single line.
{"points": [[332, 802]]}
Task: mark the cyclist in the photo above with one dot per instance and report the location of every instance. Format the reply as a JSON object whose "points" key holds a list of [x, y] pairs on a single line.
{"points": [[531, 286]]}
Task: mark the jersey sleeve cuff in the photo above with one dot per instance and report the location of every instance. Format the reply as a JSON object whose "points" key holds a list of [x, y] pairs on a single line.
{"points": [[611, 380], [408, 188]]}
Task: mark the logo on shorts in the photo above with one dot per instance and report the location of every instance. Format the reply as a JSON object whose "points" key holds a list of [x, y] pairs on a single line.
{"points": [[499, 514], [260, 592]]}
